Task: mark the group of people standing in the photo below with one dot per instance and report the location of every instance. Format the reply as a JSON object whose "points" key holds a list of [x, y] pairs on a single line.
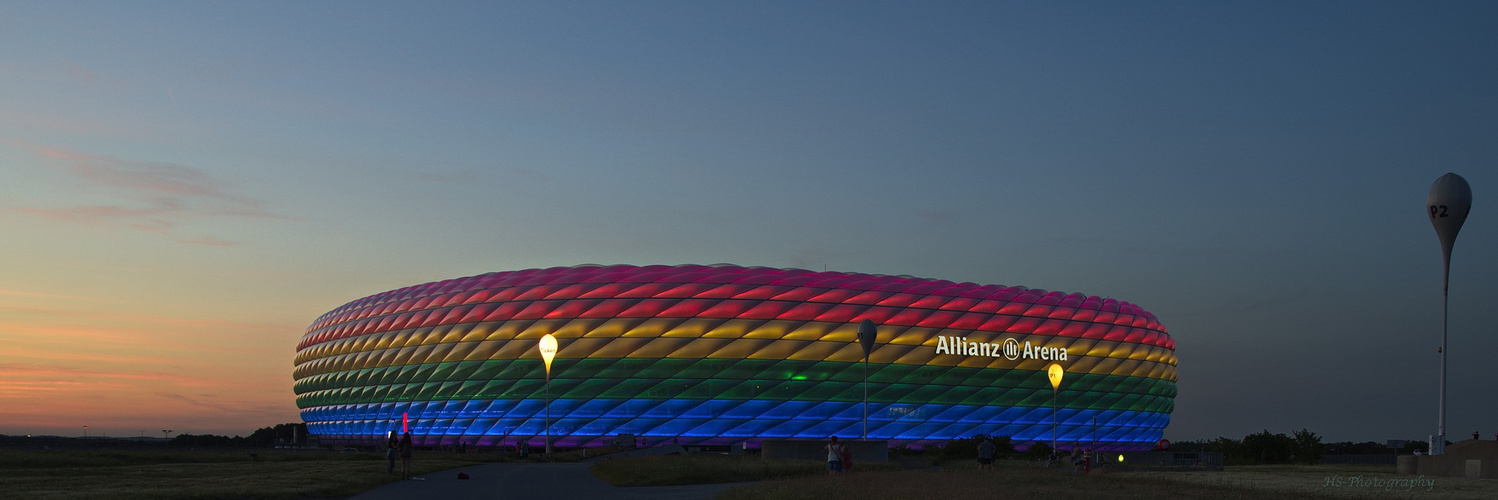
{"points": [[398, 446]]}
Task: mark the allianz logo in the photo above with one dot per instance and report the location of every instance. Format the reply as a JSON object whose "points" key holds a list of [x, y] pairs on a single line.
{"points": [[1011, 349]]}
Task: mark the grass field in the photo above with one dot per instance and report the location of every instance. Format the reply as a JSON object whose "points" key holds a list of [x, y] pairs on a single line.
{"points": [[1333, 481], [671, 470], [1014, 480], [209, 474], [181, 474]]}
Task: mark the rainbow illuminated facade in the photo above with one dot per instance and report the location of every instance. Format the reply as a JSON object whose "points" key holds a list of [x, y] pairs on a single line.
{"points": [[726, 354]]}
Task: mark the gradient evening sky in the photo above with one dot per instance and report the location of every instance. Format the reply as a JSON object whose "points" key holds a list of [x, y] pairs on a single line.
{"points": [[185, 186]]}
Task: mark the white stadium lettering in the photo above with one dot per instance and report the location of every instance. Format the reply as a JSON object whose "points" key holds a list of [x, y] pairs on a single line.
{"points": [[1009, 349]]}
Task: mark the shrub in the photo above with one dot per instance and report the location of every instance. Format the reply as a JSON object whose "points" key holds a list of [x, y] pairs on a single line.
{"points": [[1038, 451], [1266, 448], [1308, 447]]}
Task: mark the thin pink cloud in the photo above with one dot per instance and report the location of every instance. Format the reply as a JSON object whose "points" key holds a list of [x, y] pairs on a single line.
{"points": [[46, 354], [133, 337], [39, 295], [36, 372], [164, 178], [116, 344], [156, 197], [68, 125], [115, 320], [197, 402], [81, 73], [95, 214], [155, 225], [30, 388], [208, 241]]}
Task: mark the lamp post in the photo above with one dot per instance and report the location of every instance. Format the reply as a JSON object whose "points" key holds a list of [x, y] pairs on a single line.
{"points": [[1448, 204], [548, 351], [85, 432], [1054, 372], [867, 334], [166, 433]]}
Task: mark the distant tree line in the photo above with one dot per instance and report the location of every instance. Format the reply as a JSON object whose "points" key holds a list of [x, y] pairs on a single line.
{"points": [[967, 448], [279, 434], [1372, 448], [961, 448], [1302, 446]]}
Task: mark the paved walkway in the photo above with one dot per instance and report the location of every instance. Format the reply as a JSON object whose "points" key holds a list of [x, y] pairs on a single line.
{"points": [[529, 480]]}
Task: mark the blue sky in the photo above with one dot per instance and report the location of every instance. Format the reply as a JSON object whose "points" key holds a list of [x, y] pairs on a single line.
{"points": [[188, 185]]}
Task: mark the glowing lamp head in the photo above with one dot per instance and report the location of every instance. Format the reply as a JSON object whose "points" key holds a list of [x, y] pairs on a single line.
{"points": [[1055, 372], [548, 351], [1120, 458]]}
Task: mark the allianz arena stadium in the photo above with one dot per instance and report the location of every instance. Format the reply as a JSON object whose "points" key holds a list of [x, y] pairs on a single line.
{"points": [[715, 355]]}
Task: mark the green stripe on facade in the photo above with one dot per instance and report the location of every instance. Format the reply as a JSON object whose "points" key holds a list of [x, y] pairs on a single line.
{"points": [[730, 379]]}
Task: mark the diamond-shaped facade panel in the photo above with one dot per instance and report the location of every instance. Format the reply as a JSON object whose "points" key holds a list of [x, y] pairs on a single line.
{"points": [[727, 354]]}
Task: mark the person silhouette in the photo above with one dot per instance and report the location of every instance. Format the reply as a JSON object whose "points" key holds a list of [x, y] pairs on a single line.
{"points": [[405, 450], [392, 448]]}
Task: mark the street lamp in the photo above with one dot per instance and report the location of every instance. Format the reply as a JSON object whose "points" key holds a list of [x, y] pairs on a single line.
{"points": [[1054, 372], [1447, 205], [548, 351], [85, 432], [166, 433], [867, 334]]}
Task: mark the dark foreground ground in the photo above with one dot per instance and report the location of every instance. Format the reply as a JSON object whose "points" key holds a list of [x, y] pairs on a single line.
{"points": [[238, 474], [958, 480], [531, 480]]}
